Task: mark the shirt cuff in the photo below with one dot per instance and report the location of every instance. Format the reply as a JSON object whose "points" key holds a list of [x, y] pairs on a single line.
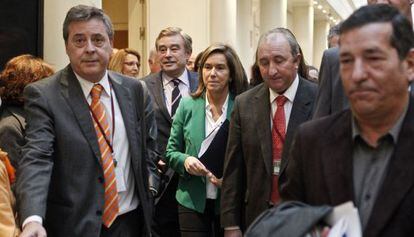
{"points": [[232, 228], [34, 218]]}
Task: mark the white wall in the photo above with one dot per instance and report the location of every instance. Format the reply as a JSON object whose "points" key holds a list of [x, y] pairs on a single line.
{"points": [[190, 15], [320, 41], [54, 15]]}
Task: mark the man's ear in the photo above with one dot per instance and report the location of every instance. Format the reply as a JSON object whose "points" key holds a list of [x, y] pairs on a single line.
{"points": [[297, 59], [409, 59]]}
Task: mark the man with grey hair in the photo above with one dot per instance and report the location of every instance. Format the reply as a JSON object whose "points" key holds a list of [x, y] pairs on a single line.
{"points": [[153, 62], [263, 122], [87, 168], [333, 36], [168, 86]]}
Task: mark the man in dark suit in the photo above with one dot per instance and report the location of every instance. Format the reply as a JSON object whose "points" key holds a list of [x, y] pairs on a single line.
{"points": [[174, 48], [331, 97], [365, 153], [87, 167], [254, 156]]}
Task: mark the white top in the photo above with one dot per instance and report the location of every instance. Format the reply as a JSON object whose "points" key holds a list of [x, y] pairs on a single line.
{"points": [[210, 126], [290, 94], [127, 197], [168, 86]]}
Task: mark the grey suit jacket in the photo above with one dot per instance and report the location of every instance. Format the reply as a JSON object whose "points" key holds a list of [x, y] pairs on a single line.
{"points": [[60, 176], [163, 118], [320, 173], [247, 176], [331, 96], [12, 125]]}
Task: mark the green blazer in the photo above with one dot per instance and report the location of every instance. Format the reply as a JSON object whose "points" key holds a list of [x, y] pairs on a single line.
{"points": [[187, 134]]}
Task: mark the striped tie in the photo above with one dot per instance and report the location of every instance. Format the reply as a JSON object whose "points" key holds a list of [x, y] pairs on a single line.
{"points": [[175, 97], [101, 124]]}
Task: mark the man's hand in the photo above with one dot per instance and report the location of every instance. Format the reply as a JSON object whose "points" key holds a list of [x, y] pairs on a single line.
{"points": [[233, 233], [33, 229], [195, 167], [162, 167]]}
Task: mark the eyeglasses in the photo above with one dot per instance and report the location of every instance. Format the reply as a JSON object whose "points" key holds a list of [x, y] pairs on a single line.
{"points": [[132, 64]]}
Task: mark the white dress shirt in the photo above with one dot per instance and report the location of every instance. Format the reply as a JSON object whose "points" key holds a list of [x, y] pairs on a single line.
{"points": [[290, 94], [127, 199], [210, 126], [168, 86]]}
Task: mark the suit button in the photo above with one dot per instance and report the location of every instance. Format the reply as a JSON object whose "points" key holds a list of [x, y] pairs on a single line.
{"points": [[101, 180], [99, 213]]}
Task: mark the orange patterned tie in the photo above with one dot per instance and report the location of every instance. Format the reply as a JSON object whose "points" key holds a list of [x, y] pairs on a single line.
{"points": [[101, 124]]}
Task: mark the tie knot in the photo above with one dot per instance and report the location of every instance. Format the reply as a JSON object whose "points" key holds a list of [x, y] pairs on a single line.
{"points": [[96, 91], [176, 81], [281, 100]]}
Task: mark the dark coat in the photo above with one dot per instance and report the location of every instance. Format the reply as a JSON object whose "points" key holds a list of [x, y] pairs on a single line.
{"points": [[247, 179], [60, 174], [320, 173]]}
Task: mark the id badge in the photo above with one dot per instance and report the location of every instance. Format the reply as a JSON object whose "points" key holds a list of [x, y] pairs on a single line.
{"points": [[120, 181], [276, 167]]}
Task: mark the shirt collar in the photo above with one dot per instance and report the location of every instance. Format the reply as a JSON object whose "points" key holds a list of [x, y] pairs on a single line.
{"points": [[394, 131], [183, 78], [223, 109], [289, 93], [87, 85]]}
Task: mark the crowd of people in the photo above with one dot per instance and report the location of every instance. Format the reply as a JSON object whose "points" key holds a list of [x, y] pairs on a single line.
{"points": [[196, 148]]}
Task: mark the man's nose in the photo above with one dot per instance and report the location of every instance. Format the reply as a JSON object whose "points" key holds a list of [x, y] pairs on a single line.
{"points": [[90, 47], [272, 69], [168, 52], [358, 72]]}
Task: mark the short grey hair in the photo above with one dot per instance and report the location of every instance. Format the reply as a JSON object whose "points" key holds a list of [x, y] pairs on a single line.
{"points": [[86, 13], [290, 37], [170, 31]]}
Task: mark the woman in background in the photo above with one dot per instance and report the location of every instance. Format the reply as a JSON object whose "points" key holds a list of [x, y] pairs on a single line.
{"points": [[126, 61], [8, 217], [18, 72], [221, 78]]}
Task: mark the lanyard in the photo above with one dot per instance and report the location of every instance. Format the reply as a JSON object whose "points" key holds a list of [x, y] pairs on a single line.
{"points": [[107, 140]]}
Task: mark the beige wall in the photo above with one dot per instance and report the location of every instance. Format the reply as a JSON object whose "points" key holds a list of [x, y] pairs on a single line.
{"points": [[118, 11], [190, 15], [54, 46], [320, 41], [303, 28]]}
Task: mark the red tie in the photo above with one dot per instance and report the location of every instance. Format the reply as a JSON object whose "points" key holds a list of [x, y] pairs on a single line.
{"points": [[278, 138], [101, 124]]}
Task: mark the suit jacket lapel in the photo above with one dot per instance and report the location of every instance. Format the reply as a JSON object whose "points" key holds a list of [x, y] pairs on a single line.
{"points": [[301, 111], [157, 88], [262, 122], [336, 160], [72, 92], [123, 96], [198, 115], [398, 180]]}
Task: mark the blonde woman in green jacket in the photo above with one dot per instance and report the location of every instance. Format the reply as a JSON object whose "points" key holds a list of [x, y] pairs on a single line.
{"points": [[221, 78]]}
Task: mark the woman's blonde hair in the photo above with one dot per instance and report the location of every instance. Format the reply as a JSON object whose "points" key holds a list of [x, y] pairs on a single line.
{"points": [[117, 59]]}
